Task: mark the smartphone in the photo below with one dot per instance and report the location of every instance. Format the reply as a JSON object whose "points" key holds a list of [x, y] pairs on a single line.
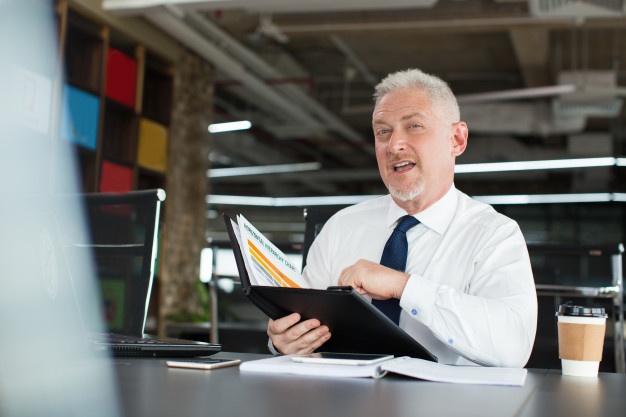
{"points": [[202, 363], [342, 358]]}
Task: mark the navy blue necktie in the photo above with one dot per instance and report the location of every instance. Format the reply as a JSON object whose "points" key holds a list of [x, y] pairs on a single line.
{"points": [[394, 256]]}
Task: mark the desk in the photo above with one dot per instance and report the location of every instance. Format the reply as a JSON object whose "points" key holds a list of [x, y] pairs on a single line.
{"points": [[149, 388], [239, 336]]}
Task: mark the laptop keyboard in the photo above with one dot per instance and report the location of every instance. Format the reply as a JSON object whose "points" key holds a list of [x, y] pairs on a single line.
{"points": [[135, 339], [151, 346], [121, 338]]}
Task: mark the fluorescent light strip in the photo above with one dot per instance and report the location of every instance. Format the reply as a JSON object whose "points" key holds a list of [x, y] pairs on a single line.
{"points": [[544, 164], [260, 170], [229, 126], [347, 200], [237, 200], [546, 198], [459, 169]]}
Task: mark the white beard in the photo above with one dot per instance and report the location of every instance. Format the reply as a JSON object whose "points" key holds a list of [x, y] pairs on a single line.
{"points": [[407, 194]]}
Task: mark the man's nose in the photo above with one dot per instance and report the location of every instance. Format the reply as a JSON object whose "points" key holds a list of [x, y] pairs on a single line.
{"points": [[397, 141]]}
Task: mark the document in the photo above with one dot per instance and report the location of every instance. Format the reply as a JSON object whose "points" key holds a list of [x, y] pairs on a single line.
{"points": [[266, 264], [411, 367]]}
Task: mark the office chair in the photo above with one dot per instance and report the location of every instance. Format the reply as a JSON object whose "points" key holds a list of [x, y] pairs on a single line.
{"points": [[314, 221]]}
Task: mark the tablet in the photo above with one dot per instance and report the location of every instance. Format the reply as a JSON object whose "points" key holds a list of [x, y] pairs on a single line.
{"points": [[335, 358], [356, 325]]}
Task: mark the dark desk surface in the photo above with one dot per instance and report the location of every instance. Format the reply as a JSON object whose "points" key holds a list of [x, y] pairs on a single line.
{"points": [[149, 388]]}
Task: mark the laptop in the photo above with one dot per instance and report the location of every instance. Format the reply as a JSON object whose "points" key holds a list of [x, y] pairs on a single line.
{"points": [[121, 244], [356, 325]]}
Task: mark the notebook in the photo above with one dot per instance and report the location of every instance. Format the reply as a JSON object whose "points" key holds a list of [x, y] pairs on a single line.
{"points": [[356, 325], [121, 247]]}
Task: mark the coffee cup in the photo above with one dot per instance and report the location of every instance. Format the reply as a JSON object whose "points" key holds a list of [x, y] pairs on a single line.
{"points": [[581, 339]]}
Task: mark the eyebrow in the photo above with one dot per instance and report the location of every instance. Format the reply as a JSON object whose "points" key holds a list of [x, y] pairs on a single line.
{"points": [[403, 118], [412, 115]]}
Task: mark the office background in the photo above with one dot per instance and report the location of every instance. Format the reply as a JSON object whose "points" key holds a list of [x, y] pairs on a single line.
{"points": [[535, 83]]}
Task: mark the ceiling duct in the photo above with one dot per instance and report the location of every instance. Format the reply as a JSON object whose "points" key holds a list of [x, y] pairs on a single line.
{"points": [[578, 9], [598, 108], [595, 94], [576, 96], [527, 119]]}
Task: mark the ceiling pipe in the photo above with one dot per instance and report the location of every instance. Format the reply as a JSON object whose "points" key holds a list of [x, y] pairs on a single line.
{"points": [[352, 57], [522, 93], [172, 23], [266, 71], [487, 24]]}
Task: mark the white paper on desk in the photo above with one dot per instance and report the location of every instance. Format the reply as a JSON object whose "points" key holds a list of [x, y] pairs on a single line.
{"points": [[266, 264], [412, 367], [285, 365], [422, 369]]}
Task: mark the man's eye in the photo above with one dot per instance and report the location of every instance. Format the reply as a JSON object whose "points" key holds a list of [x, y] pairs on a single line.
{"points": [[383, 131]]}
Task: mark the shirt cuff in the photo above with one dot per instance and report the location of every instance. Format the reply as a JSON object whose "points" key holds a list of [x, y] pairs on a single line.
{"points": [[271, 347], [418, 298]]}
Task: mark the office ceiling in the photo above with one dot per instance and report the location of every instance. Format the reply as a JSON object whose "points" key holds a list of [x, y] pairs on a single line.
{"points": [[303, 72]]}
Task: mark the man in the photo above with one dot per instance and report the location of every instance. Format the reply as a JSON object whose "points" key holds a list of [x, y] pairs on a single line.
{"points": [[467, 293]]}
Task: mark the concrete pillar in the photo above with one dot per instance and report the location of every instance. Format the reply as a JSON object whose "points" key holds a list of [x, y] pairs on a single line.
{"points": [[186, 187]]}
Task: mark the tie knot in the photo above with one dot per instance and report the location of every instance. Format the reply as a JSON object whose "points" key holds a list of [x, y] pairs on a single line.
{"points": [[406, 222]]}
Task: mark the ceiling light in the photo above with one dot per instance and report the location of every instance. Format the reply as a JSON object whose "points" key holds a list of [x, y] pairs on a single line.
{"points": [[237, 200], [229, 126], [346, 200], [548, 198], [264, 169], [545, 164]]}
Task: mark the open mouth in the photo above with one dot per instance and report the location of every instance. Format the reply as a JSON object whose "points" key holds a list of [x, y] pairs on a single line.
{"points": [[403, 166]]}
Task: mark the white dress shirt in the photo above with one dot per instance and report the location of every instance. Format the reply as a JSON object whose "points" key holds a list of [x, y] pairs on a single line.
{"points": [[471, 296]]}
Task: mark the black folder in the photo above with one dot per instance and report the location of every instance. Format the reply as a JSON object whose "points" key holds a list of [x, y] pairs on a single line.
{"points": [[356, 325]]}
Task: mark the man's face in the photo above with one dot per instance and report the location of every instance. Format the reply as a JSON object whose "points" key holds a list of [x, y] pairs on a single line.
{"points": [[416, 146]]}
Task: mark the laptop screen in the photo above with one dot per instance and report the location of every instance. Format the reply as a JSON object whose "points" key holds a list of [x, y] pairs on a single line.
{"points": [[122, 243]]}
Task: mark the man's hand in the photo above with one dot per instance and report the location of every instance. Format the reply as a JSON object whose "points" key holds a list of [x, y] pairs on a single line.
{"points": [[375, 280], [290, 336]]}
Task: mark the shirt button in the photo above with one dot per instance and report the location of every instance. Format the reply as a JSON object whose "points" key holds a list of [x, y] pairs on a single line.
{"points": [[414, 312]]}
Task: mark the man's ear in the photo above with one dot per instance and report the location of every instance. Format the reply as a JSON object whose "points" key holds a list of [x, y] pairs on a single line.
{"points": [[459, 138]]}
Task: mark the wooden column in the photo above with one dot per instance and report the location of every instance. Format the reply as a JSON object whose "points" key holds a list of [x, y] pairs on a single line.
{"points": [[187, 185]]}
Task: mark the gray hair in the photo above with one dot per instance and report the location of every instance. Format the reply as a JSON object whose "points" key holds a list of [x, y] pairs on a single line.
{"points": [[438, 90]]}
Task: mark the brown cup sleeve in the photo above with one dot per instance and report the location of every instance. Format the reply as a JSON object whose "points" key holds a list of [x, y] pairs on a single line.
{"points": [[581, 342]]}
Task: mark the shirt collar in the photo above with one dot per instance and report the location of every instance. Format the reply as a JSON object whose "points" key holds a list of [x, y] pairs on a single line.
{"points": [[436, 217]]}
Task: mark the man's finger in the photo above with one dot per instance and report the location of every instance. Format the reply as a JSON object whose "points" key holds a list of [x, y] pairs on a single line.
{"points": [[284, 323], [301, 329], [311, 342]]}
